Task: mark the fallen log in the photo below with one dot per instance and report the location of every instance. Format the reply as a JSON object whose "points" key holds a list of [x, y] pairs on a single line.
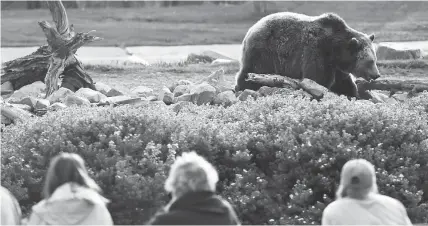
{"points": [[55, 64], [412, 86], [415, 86]]}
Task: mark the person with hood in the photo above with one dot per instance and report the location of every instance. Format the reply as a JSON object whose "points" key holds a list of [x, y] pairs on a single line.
{"points": [[70, 196], [10, 210], [358, 201], [192, 185]]}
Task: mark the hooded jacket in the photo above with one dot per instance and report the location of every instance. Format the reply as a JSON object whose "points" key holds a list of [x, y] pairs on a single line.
{"points": [[10, 210], [71, 204], [197, 208], [377, 209]]}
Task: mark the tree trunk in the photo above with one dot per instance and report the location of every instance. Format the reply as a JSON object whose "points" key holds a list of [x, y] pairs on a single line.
{"points": [[51, 61]]}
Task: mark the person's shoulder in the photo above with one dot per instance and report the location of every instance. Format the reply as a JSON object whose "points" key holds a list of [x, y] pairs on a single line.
{"points": [[388, 200], [166, 218]]}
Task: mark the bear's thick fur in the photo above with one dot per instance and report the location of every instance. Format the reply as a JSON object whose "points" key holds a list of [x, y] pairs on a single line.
{"points": [[322, 48]]}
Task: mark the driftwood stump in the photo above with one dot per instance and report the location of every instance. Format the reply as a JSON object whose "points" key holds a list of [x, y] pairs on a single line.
{"points": [[55, 64], [413, 86]]}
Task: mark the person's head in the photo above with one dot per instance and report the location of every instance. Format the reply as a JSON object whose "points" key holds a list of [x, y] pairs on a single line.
{"points": [[64, 168], [357, 179], [191, 172]]}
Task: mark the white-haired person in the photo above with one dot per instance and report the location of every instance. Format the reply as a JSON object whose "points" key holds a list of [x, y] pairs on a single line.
{"points": [[358, 201], [71, 197], [192, 185]]}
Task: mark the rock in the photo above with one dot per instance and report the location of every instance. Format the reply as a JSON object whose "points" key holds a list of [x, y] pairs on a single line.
{"points": [[142, 91], [386, 51], [391, 100], [34, 89], [23, 107], [14, 114], [41, 104], [246, 93], [124, 100], [180, 82], [73, 99], [313, 88], [107, 90], [401, 96], [59, 95], [6, 88], [267, 91], [188, 97], [166, 96], [57, 106], [180, 105], [225, 98], [28, 100], [5, 120], [92, 95], [223, 62], [180, 90], [204, 92]]}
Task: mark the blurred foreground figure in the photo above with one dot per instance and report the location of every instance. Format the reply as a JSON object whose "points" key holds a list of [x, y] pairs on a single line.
{"points": [[70, 196], [358, 201], [10, 210], [192, 184]]}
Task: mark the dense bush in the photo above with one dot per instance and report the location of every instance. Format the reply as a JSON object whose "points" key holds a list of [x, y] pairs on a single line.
{"points": [[278, 157]]}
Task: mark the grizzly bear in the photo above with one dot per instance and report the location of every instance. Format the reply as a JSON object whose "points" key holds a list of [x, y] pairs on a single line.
{"points": [[321, 48]]}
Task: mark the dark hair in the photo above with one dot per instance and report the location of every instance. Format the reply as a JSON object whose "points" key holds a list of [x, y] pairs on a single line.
{"points": [[65, 168]]}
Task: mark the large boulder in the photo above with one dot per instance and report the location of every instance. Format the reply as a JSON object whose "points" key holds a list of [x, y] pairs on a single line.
{"points": [[27, 100], [386, 51], [204, 92], [12, 114], [73, 99], [59, 95], [35, 89], [225, 98], [92, 95], [180, 90]]}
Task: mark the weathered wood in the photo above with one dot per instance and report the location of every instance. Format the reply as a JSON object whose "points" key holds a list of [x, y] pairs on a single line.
{"points": [[393, 85], [273, 80], [56, 59], [413, 86]]}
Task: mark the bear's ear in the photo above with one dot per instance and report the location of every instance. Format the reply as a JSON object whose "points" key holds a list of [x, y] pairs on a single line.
{"points": [[353, 44], [371, 37]]}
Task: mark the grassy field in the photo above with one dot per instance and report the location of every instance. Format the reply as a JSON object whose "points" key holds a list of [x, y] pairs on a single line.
{"points": [[156, 76], [209, 23]]}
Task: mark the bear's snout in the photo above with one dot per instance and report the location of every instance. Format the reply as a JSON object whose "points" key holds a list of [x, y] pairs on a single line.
{"points": [[375, 76]]}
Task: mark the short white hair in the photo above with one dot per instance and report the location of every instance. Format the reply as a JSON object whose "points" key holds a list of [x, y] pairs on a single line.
{"points": [[191, 172]]}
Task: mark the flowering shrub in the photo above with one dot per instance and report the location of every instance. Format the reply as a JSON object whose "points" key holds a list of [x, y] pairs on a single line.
{"points": [[279, 157]]}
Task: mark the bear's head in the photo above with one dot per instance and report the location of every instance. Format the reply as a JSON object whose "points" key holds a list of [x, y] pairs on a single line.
{"points": [[358, 57]]}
